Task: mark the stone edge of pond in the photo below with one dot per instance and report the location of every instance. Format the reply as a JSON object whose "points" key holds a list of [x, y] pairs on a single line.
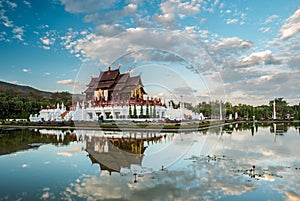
{"points": [[151, 127]]}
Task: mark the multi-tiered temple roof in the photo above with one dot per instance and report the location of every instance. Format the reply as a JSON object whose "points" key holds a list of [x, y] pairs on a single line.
{"points": [[112, 85]]}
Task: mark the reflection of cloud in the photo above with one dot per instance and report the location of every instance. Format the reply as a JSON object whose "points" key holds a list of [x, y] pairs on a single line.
{"points": [[201, 180], [45, 195], [292, 196], [70, 152], [261, 149], [208, 178], [24, 165], [275, 159]]}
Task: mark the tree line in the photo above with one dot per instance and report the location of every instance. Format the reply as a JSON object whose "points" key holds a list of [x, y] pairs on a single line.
{"points": [[16, 105], [245, 111]]}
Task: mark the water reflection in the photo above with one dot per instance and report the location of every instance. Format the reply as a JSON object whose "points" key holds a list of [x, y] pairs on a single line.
{"points": [[115, 153], [15, 139], [238, 161]]}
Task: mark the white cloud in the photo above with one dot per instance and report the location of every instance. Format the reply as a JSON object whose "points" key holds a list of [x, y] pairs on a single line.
{"points": [[83, 32], [5, 20], [232, 21], [236, 43], [25, 70], [11, 4], [48, 39], [265, 29], [271, 19], [67, 82], [228, 11], [170, 9], [45, 47], [107, 49], [19, 32], [45, 41], [79, 6], [293, 62], [257, 86], [44, 26], [255, 58], [291, 27], [112, 38], [203, 33], [27, 3], [109, 30], [111, 17]]}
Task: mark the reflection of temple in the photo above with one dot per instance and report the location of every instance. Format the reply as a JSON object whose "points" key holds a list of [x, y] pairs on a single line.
{"points": [[112, 153]]}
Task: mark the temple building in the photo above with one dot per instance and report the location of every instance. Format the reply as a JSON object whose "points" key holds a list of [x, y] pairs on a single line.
{"points": [[112, 86], [117, 96]]}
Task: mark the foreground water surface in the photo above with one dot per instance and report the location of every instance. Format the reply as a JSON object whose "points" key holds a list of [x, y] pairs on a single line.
{"points": [[234, 162]]}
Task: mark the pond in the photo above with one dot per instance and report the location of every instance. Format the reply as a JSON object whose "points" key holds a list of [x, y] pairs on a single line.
{"points": [[232, 162]]}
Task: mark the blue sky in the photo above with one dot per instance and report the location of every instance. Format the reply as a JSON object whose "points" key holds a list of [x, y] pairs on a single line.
{"points": [[243, 51]]}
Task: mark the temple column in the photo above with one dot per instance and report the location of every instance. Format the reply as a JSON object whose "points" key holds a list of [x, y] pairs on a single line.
{"points": [[160, 113], [125, 111]]}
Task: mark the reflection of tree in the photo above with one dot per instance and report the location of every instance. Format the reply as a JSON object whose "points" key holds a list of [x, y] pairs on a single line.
{"points": [[14, 140], [279, 128]]}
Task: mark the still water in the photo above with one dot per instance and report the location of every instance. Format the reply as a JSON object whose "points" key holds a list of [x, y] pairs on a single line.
{"points": [[234, 162]]}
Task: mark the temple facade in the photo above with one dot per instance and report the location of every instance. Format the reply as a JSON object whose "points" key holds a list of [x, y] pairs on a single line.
{"points": [[117, 96]]}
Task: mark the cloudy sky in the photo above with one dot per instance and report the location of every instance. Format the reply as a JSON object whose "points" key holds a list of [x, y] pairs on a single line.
{"points": [[245, 51]]}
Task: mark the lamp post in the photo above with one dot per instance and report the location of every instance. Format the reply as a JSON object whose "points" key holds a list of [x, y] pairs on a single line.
{"points": [[274, 109]]}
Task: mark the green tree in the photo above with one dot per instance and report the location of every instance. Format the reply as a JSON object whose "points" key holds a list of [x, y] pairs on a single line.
{"points": [[130, 112], [151, 111], [141, 112], [281, 107], [154, 111], [134, 111], [147, 111], [203, 107]]}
